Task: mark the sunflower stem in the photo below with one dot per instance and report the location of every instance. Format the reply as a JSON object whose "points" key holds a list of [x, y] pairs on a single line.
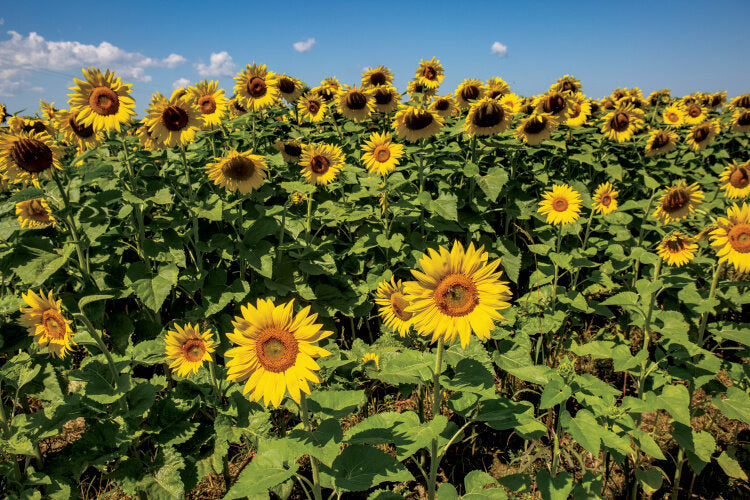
{"points": [[309, 218], [472, 181], [647, 330], [137, 212], [557, 268], [436, 402], [282, 233], [102, 346], [583, 248], [711, 296], [678, 474], [241, 219], [214, 384], [640, 237], [313, 461], [198, 257], [71, 223]]}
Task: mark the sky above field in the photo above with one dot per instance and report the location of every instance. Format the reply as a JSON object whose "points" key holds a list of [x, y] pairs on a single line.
{"points": [[156, 46]]}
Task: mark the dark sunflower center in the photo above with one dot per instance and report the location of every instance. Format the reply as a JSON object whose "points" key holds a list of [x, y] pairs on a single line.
{"points": [[382, 96], [418, 119], [193, 350], [82, 131], [675, 245], [527, 109], [37, 210], [716, 101], [701, 134], [442, 104], [620, 122], [382, 153], [576, 111], [419, 88], [554, 104], [429, 72], [675, 200], [378, 78], [174, 118], [744, 101], [104, 101], [744, 119], [618, 94], [54, 324], [660, 140], [606, 200], [739, 238], [326, 93], [356, 100], [568, 86], [286, 86], [292, 149], [313, 107], [560, 204], [594, 107], [469, 92], [488, 115], [256, 87], [694, 111], [319, 164], [495, 93], [534, 126], [238, 168], [207, 104], [740, 178], [276, 349], [689, 101], [399, 305], [456, 295], [35, 126], [608, 104], [673, 117], [31, 155]]}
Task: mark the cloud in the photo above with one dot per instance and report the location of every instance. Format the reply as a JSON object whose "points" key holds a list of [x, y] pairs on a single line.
{"points": [[37, 89], [180, 83], [500, 49], [304, 45], [2, 21], [221, 65], [22, 55]]}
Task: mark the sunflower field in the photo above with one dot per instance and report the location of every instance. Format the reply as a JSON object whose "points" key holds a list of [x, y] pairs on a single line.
{"points": [[352, 292]]}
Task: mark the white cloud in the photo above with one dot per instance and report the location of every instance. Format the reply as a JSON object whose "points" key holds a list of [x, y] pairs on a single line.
{"points": [[500, 49], [182, 82], [221, 65], [304, 45], [37, 89], [2, 21]]}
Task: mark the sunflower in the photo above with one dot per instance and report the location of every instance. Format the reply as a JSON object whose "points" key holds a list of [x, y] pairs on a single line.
{"points": [[487, 117], [385, 99], [605, 199], [595, 107], [380, 154], [717, 100], [661, 142], [173, 122], [275, 352], [3, 113], [527, 107], [289, 88], [102, 100], [321, 162], [48, 109], [312, 107], [677, 249], [430, 73], [256, 87], [327, 89], [444, 106], [735, 180], [34, 125], [567, 83], [607, 103], [536, 128], [241, 172], [83, 136], [44, 321], [741, 120], [24, 157], [236, 109], [618, 94], [416, 87], [689, 100], [392, 306], [732, 237], [557, 104], [469, 91], [15, 123], [636, 102], [371, 356], [695, 114], [562, 205], [377, 77], [355, 103], [188, 348], [497, 87], [579, 112], [511, 101], [147, 141], [456, 292], [413, 123], [741, 101], [211, 102], [658, 97], [297, 198], [34, 214], [290, 150], [674, 115], [622, 123], [701, 135], [678, 202]]}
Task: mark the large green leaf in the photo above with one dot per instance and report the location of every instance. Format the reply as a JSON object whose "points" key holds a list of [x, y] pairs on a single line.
{"points": [[360, 467]]}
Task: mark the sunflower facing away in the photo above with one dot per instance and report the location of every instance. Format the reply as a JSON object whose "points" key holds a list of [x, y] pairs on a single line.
{"points": [[732, 237], [677, 249], [741, 121], [717, 100], [289, 88], [557, 104], [469, 91], [385, 99], [659, 97], [562, 205], [376, 77], [34, 214], [187, 348], [487, 117], [236, 109], [211, 102], [101, 100], [497, 87], [413, 123], [701, 135], [380, 154], [371, 356], [605, 199], [622, 123], [44, 321], [661, 142], [173, 122], [457, 292], [290, 150], [24, 157], [321, 162], [256, 87], [416, 87], [536, 128], [567, 83], [678, 202], [674, 115], [241, 172], [355, 103], [430, 73], [312, 107], [735, 180], [83, 136], [276, 351], [444, 106], [392, 306], [740, 102]]}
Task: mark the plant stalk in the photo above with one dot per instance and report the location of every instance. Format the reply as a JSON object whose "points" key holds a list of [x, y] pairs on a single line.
{"points": [[317, 492], [436, 401]]}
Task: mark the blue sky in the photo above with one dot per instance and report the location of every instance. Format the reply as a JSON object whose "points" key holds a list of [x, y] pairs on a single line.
{"points": [[685, 46]]}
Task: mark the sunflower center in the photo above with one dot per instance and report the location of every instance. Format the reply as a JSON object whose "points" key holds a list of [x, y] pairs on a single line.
{"points": [[399, 305], [104, 101], [560, 204], [36, 210], [620, 122], [292, 149], [319, 164], [442, 104], [744, 119], [238, 168], [469, 92], [382, 96], [675, 200], [378, 79], [313, 107], [419, 88], [174, 118], [207, 104], [382, 153], [326, 93], [739, 238], [193, 350], [744, 101], [286, 85], [740, 178], [495, 93], [356, 100], [456, 295], [488, 115], [576, 111], [276, 349], [418, 120], [429, 72], [605, 201], [700, 134], [553, 104], [54, 324], [256, 87], [660, 140], [35, 126], [535, 125], [568, 86], [31, 155], [694, 111], [675, 245], [673, 117], [82, 131]]}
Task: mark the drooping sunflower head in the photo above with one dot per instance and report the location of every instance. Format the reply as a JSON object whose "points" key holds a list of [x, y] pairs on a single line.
{"points": [[391, 300], [236, 109], [24, 157], [413, 123], [430, 73], [48, 109], [607, 103], [535, 128], [290, 150], [562, 205], [618, 94], [679, 202], [174, 122], [455, 293], [674, 115], [385, 98], [741, 101], [487, 117], [101, 100], [717, 100], [211, 102], [371, 356], [45, 322], [659, 97], [32, 125], [468, 92], [595, 107], [275, 351], [187, 348], [741, 120], [147, 141], [695, 113], [622, 123], [732, 237], [355, 103], [701, 135], [241, 172], [34, 214], [377, 77], [312, 107], [497, 87], [677, 249], [380, 154], [527, 107], [256, 87], [735, 180], [417, 88], [556, 104], [3, 113], [289, 88], [566, 83], [605, 199], [321, 163], [661, 142], [580, 110], [636, 102], [445, 106]]}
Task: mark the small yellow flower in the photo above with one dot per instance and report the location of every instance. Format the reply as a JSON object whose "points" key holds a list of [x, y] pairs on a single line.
{"points": [[371, 356], [187, 348], [605, 199], [677, 249], [562, 205]]}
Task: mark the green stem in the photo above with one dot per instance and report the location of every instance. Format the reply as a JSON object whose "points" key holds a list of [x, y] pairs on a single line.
{"points": [[678, 474], [137, 212], [309, 218], [472, 181], [214, 385], [83, 262], [5, 423], [557, 269], [436, 402], [313, 461], [583, 248], [102, 346], [647, 329], [711, 295], [241, 219], [282, 232], [640, 236], [198, 257], [558, 431]]}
